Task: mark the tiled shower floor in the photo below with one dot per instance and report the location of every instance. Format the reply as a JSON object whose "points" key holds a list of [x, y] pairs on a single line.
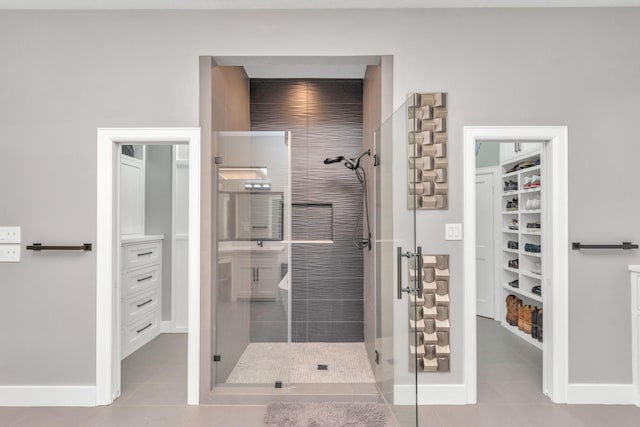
{"points": [[265, 363]]}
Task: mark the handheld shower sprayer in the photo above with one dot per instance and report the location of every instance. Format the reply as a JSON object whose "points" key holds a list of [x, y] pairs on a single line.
{"points": [[354, 165]]}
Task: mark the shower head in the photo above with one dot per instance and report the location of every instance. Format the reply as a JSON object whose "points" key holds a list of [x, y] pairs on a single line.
{"points": [[352, 164], [330, 160]]}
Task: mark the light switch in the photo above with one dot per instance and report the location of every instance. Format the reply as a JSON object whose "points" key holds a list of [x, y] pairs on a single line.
{"points": [[9, 234], [453, 231], [9, 253]]}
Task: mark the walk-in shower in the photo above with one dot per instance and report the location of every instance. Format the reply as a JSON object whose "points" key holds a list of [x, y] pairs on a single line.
{"points": [[354, 165]]}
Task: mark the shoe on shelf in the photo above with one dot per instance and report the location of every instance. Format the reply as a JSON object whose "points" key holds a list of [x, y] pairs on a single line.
{"points": [[532, 181], [537, 269], [510, 185], [513, 263], [532, 204], [514, 224], [533, 225], [511, 244], [512, 205], [514, 283], [513, 302], [533, 248], [537, 290]]}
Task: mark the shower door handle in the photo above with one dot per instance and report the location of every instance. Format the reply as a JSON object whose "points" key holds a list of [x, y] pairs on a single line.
{"points": [[399, 256], [420, 285]]}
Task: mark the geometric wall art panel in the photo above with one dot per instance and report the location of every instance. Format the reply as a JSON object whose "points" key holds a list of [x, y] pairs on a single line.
{"points": [[427, 151], [429, 315]]}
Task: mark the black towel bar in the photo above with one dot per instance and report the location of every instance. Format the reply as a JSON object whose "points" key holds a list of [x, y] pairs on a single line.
{"points": [[41, 247], [624, 245]]}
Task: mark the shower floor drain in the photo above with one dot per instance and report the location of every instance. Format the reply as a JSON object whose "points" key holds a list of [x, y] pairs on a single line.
{"points": [[323, 367]]}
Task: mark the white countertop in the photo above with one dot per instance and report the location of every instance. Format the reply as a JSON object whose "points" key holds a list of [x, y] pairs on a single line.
{"points": [[139, 238], [232, 247]]}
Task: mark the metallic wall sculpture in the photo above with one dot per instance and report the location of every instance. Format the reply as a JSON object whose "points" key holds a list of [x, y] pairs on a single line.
{"points": [[429, 316], [427, 150]]}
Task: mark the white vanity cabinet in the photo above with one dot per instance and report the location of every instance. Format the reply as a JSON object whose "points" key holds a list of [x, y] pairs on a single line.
{"points": [[254, 270], [140, 291], [635, 328]]}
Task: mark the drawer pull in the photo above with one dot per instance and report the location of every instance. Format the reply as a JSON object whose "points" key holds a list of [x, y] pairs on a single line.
{"points": [[146, 327], [144, 303], [145, 278], [259, 227], [145, 253]]}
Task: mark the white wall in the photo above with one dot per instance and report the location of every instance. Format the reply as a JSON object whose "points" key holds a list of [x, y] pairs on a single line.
{"points": [[67, 73]]}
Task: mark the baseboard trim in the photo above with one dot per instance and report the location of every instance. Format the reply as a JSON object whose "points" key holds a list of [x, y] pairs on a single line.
{"points": [[47, 396], [431, 394], [600, 394], [167, 327]]}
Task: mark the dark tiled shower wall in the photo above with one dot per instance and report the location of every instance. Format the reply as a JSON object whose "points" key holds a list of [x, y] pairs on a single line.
{"points": [[325, 119]]}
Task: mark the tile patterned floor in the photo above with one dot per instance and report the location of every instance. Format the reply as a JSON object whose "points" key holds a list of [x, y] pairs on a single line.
{"points": [[509, 394], [265, 363]]}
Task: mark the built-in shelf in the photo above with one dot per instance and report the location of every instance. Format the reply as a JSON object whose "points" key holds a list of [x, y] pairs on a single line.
{"points": [[526, 278], [530, 190], [531, 275], [522, 293], [538, 232], [533, 254], [526, 337], [518, 172], [506, 230]]}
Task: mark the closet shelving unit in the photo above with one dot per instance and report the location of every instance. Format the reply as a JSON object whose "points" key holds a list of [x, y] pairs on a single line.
{"points": [[526, 271]]}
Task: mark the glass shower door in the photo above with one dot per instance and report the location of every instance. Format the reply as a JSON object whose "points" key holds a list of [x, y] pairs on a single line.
{"points": [[398, 274], [251, 303]]}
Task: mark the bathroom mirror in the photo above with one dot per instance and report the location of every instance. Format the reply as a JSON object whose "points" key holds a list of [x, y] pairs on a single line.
{"points": [[251, 216]]}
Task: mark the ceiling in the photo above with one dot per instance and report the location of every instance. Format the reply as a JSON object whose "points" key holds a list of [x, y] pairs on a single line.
{"points": [[302, 4]]}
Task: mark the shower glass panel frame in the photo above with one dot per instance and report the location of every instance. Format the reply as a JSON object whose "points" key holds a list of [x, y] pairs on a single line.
{"points": [[396, 253], [252, 193]]}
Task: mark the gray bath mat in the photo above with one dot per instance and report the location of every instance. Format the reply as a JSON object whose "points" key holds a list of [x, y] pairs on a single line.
{"points": [[325, 414]]}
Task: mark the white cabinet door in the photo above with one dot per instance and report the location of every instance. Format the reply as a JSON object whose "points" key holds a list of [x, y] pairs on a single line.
{"points": [[529, 147], [508, 151]]}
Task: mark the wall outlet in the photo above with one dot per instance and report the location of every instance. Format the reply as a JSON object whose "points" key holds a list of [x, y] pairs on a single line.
{"points": [[9, 234], [9, 253]]}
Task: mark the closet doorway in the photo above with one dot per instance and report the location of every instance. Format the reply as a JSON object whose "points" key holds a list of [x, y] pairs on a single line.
{"points": [[148, 265], [516, 259]]}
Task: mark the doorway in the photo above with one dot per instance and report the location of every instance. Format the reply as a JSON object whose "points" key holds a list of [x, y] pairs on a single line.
{"points": [[110, 265], [520, 222]]}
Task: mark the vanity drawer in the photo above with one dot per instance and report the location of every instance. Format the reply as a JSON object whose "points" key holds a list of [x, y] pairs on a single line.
{"points": [[142, 254], [140, 305], [141, 280], [140, 332]]}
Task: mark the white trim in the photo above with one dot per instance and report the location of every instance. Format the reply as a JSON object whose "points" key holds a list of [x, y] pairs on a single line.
{"points": [[556, 362], [107, 143], [168, 327], [47, 395], [430, 394], [600, 394]]}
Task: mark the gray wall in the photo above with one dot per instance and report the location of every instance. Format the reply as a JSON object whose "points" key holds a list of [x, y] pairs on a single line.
{"points": [[158, 212], [67, 73], [488, 155], [325, 120]]}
